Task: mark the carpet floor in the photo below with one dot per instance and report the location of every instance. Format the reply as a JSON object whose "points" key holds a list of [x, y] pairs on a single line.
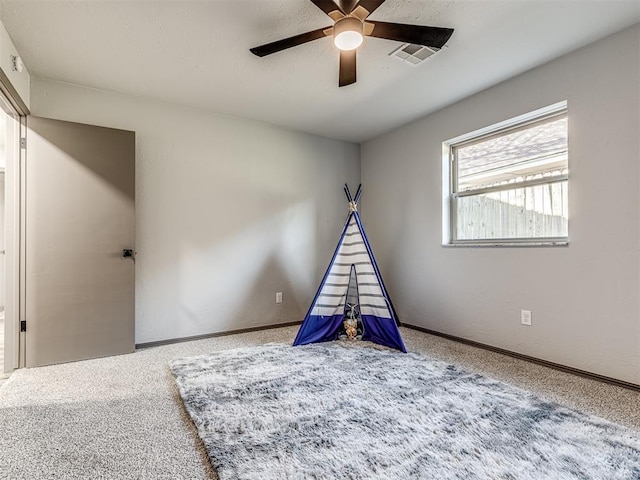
{"points": [[122, 417]]}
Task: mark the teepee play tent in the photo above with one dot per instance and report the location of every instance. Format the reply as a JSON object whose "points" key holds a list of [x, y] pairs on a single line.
{"points": [[352, 289]]}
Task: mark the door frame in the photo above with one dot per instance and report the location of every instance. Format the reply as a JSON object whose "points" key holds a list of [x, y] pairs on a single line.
{"points": [[16, 111]]}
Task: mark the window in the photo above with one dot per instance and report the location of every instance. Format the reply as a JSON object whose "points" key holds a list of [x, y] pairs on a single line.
{"points": [[507, 184]]}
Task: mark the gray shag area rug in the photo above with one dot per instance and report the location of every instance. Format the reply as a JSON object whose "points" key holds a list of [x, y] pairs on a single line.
{"points": [[330, 411]]}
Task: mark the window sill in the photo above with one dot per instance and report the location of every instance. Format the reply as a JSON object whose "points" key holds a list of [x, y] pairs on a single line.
{"points": [[560, 243]]}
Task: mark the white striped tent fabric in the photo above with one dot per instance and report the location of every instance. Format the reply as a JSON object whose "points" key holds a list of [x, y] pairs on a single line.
{"points": [[351, 251]]}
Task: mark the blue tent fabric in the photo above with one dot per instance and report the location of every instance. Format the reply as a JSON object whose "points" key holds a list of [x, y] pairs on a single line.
{"points": [[323, 321]]}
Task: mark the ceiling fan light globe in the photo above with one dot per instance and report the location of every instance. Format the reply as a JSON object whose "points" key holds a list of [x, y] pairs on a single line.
{"points": [[347, 33], [348, 40]]}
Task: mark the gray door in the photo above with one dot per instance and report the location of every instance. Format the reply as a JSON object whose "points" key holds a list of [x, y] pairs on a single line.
{"points": [[79, 217]]}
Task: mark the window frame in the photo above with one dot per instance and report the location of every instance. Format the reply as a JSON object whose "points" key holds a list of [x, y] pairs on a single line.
{"points": [[450, 178]]}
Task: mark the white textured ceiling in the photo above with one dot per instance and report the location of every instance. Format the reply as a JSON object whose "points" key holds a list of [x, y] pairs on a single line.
{"points": [[197, 54]]}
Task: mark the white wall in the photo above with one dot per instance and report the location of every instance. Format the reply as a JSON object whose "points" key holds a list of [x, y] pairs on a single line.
{"points": [[3, 165], [229, 211], [2, 243], [585, 297]]}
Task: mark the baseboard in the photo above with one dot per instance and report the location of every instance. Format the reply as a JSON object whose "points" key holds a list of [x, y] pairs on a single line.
{"points": [[527, 358], [216, 334]]}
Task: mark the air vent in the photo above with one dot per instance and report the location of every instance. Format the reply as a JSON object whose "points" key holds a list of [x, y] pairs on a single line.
{"points": [[413, 54]]}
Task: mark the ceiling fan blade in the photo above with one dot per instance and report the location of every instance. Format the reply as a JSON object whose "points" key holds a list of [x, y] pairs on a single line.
{"points": [[327, 6], [416, 34], [370, 5], [347, 67], [273, 47], [347, 6]]}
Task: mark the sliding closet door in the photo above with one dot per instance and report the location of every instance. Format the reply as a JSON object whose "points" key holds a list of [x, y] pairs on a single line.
{"points": [[80, 218]]}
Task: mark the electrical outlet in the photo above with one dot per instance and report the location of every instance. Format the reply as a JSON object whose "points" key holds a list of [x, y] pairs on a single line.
{"points": [[278, 297], [525, 317]]}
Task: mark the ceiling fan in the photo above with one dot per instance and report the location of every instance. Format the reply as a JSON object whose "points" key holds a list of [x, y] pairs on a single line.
{"points": [[349, 29]]}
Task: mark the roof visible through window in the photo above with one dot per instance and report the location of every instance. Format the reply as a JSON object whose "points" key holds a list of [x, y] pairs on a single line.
{"points": [[508, 158]]}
